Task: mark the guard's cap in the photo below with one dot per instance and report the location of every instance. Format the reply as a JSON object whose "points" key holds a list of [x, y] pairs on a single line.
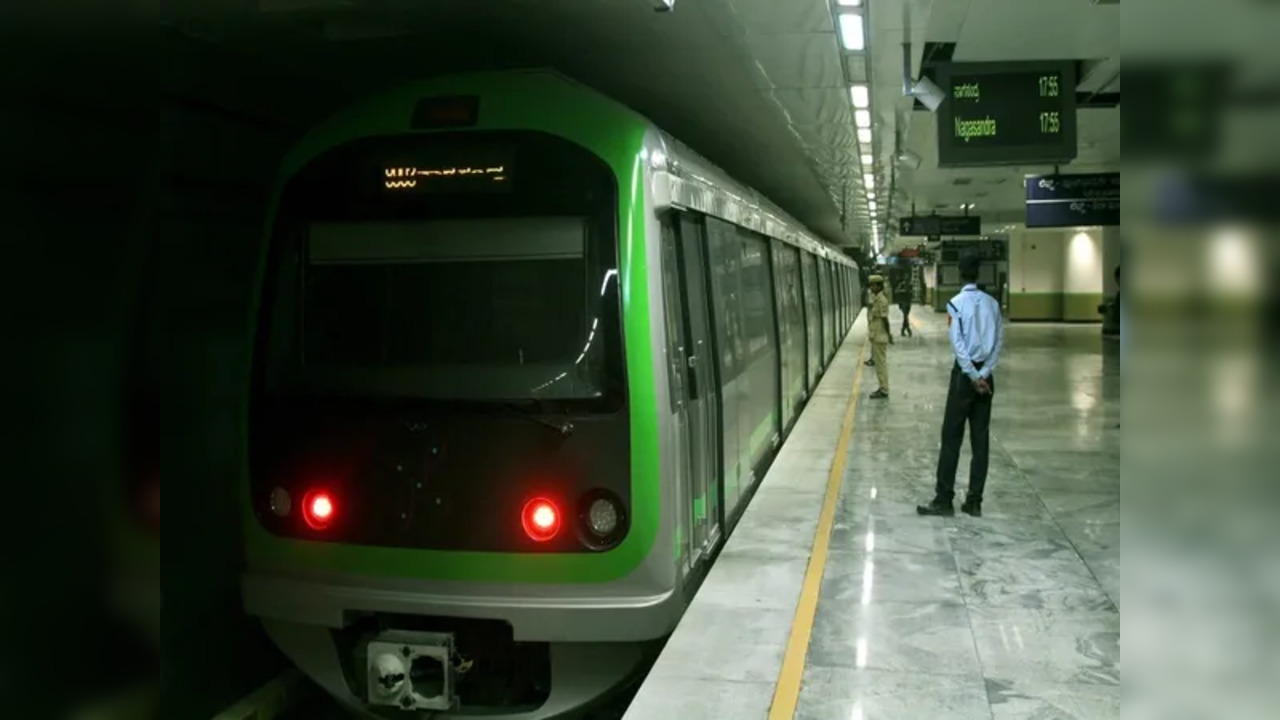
{"points": [[876, 279]]}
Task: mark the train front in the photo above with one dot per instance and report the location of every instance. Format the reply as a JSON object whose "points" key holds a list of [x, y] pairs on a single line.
{"points": [[452, 496]]}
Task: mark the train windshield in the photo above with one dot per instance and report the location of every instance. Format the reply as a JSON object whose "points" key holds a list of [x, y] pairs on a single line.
{"points": [[484, 296]]}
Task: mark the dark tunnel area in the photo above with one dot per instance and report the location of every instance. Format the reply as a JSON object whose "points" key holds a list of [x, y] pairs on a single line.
{"points": [[138, 167]]}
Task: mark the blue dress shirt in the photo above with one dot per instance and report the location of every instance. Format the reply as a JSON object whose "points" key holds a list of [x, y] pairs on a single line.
{"points": [[977, 331]]}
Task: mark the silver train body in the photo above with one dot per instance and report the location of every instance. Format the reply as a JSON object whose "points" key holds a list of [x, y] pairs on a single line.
{"points": [[600, 633]]}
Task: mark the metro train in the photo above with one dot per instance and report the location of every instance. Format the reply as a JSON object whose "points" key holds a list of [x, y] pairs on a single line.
{"points": [[520, 361]]}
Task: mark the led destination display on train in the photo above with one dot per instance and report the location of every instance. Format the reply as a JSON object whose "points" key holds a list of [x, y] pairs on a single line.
{"points": [[448, 170], [448, 177], [1005, 113]]}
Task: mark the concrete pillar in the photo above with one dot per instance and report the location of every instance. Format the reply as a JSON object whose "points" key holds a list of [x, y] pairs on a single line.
{"points": [[1110, 259]]}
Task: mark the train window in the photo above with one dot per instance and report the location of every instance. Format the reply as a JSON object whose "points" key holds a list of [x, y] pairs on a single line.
{"points": [[467, 307], [757, 296], [790, 305], [726, 265], [491, 296], [813, 315]]}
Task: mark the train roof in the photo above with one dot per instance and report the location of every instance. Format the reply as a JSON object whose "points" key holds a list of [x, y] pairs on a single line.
{"points": [[684, 178]]}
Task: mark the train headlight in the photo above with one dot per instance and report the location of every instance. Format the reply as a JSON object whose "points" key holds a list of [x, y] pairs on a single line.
{"points": [[281, 502], [602, 517]]}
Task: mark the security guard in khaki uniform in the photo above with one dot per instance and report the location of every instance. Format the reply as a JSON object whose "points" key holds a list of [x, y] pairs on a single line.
{"points": [[878, 333]]}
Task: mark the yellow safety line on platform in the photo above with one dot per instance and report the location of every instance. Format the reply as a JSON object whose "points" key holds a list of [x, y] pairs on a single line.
{"points": [[786, 694]]}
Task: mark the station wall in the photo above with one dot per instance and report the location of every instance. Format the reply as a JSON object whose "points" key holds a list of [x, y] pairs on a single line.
{"points": [[1060, 275]]}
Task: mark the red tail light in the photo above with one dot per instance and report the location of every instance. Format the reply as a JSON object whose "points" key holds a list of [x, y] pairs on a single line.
{"points": [[541, 519], [318, 509]]}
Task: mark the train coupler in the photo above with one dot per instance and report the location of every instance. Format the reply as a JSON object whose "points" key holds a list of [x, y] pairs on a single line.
{"points": [[412, 670]]}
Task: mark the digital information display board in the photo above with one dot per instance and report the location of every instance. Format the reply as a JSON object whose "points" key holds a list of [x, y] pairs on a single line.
{"points": [[1006, 113], [938, 225]]}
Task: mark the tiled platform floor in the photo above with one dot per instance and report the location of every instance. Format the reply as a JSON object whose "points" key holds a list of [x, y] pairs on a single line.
{"points": [[1012, 616]]}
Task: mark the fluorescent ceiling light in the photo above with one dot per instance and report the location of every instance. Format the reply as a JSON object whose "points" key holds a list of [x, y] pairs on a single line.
{"points": [[862, 118], [851, 31], [867, 160], [849, 3], [861, 96], [869, 181], [871, 204], [864, 136]]}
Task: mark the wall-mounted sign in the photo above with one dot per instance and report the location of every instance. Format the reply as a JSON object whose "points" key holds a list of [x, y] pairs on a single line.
{"points": [[933, 226], [1006, 113], [992, 250], [1073, 200], [1195, 199]]}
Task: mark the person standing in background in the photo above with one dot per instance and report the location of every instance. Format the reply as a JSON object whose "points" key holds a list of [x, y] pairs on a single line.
{"points": [[879, 335], [902, 294], [977, 339]]}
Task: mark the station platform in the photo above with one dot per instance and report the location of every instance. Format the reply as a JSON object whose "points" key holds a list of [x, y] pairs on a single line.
{"points": [[834, 599]]}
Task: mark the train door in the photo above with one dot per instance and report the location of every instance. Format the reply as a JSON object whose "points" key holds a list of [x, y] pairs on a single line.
{"points": [[697, 363], [812, 317], [690, 542]]}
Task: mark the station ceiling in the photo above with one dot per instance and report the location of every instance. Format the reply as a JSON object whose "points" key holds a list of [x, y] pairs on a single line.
{"points": [[761, 87]]}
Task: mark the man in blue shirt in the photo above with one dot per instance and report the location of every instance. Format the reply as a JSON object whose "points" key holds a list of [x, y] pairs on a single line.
{"points": [[977, 337]]}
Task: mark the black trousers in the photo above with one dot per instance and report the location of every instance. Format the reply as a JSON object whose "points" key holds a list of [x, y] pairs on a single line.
{"points": [[906, 318], [965, 405]]}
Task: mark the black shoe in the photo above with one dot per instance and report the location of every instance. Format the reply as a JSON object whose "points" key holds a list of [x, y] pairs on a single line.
{"points": [[870, 363], [879, 395], [937, 507], [972, 507]]}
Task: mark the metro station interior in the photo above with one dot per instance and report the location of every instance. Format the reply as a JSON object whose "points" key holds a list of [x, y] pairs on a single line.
{"points": [[312, 260]]}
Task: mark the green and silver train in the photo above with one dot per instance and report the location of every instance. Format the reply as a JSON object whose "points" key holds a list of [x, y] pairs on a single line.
{"points": [[521, 360]]}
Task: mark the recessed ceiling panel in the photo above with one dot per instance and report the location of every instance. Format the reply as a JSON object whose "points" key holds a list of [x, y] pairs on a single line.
{"points": [[1021, 30], [834, 136], [783, 17], [797, 61], [856, 64], [814, 106]]}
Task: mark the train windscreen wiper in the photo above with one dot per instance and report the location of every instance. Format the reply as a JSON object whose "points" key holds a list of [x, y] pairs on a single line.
{"points": [[563, 429]]}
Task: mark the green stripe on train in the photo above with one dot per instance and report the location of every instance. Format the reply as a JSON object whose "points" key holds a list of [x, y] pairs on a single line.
{"points": [[510, 101]]}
